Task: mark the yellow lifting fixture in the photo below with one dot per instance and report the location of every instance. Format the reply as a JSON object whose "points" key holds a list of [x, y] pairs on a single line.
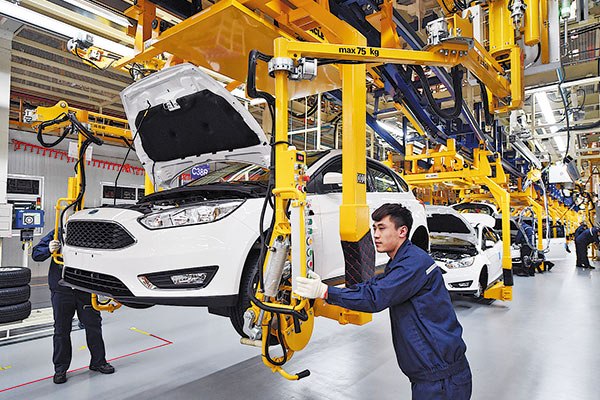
{"points": [[273, 28], [61, 116], [449, 168]]}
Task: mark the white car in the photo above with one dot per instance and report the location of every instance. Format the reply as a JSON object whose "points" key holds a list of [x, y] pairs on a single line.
{"points": [[198, 244], [466, 248]]}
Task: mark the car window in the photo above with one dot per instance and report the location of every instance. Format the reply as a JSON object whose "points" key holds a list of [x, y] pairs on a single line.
{"points": [[220, 172], [316, 185], [474, 208], [489, 234], [381, 180]]}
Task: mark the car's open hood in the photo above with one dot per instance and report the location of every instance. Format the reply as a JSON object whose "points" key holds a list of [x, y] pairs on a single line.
{"points": [[181, 117], [446, 222], [479, 219]]}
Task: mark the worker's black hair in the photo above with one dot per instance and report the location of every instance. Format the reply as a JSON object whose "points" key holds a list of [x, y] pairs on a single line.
{"points": [[399, 215]]}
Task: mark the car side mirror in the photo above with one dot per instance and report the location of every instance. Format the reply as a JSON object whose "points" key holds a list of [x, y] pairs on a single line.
{"points": [[332, 178], [488, 244]]}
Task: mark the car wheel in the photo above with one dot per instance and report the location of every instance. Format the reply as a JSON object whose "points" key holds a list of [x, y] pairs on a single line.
{"points": [[15, 312], [14, 295], [236, 313], [482, 286], [14, 276]]}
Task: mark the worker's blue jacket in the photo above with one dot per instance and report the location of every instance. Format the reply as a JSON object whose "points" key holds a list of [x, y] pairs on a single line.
{"points": [[526, 239], [588, 236], [579, 229], [425, 330], [41, 252]]}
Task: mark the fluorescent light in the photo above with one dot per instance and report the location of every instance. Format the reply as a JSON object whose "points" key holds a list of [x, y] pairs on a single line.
{"points": [[560, 143], [94, 9], [391, 129], [544, 103], [30, 17]]}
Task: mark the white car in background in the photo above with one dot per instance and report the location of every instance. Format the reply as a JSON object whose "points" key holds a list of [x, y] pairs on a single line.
{"points": [[198, 244], [466, 248]]}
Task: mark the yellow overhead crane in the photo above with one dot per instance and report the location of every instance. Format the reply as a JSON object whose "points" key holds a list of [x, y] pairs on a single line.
{"points": [[85, 124], [301, 35], [450, 169]]}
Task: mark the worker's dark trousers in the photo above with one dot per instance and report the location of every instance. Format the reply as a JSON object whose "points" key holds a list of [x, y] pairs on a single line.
{"points": [[525, 252], [65, 302], [455, 387], [582, 258]]}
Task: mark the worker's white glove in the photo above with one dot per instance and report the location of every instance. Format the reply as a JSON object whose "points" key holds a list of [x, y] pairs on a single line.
{"points": [[54, 246], [311, 287]]}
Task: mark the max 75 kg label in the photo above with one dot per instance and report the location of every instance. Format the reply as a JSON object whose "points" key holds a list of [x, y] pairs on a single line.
{"points": [[361, 51]]}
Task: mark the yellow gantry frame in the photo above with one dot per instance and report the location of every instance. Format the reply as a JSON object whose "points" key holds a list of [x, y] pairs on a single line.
{"points": [[450, 168], [311, 21]]}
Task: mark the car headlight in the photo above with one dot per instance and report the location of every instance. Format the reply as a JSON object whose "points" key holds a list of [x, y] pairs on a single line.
{"points": [[462, 263], [192, 215]]}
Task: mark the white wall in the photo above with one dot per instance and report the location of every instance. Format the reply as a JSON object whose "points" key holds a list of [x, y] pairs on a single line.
{"points": [[55, 173]]}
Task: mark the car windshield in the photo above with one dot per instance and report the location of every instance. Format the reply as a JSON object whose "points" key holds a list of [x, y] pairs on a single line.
{"points": [[443, 240], [241, 172], [219, 172], [477, 208]]}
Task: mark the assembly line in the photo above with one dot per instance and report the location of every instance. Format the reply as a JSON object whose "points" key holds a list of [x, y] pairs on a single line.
{"points": [[274, 162]]}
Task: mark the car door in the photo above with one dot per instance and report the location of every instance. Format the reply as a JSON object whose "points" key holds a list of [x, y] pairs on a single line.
{"points": [[382, 188], [325, 202], [494, 253]]}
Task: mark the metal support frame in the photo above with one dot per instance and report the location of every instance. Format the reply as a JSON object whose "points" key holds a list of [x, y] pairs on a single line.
{"points": [[450, 168]]}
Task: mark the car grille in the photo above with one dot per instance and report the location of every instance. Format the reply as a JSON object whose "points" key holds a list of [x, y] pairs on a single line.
{"points": [[98, 235], [96, 282]]}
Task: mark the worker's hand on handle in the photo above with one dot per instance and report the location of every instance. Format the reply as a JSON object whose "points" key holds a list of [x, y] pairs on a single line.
{"points": [[311, 287], [54, 246]]}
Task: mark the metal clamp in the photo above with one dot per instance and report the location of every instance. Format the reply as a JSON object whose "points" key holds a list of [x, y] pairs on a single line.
{"points": [[517, 13], [280, 64], [305, 70], [437, 31]]}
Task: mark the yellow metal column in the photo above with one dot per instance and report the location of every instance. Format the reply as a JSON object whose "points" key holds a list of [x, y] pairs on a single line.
{"points": [[499, 291], [532, 23], [148, 185], [502, 35], [545, 32], [354, 211]]}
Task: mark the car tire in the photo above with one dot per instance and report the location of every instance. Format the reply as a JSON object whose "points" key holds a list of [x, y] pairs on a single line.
{"points": [[482, 285], [15, 312], [14, 295], [236, 313], [14, 276]]}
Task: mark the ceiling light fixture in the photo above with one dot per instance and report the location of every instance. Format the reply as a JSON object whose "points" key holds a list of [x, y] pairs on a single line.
{"points": [[33, 18], [548, 114], [391, 129]]}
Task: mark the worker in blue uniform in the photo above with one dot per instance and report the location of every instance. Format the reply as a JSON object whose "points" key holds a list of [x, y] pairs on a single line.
{"points": [[582, 241], [582, 227], [525, 239], [426, 334], [65, 301]]}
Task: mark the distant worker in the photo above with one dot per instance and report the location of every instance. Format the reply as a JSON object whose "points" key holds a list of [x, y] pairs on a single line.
{"points": [[426, 334], [582, 227], [582, 241], [525, 240], [65, 301]]}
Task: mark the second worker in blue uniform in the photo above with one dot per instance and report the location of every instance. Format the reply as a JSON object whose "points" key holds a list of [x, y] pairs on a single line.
{"points": [[65, 302], [426, 333]]}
